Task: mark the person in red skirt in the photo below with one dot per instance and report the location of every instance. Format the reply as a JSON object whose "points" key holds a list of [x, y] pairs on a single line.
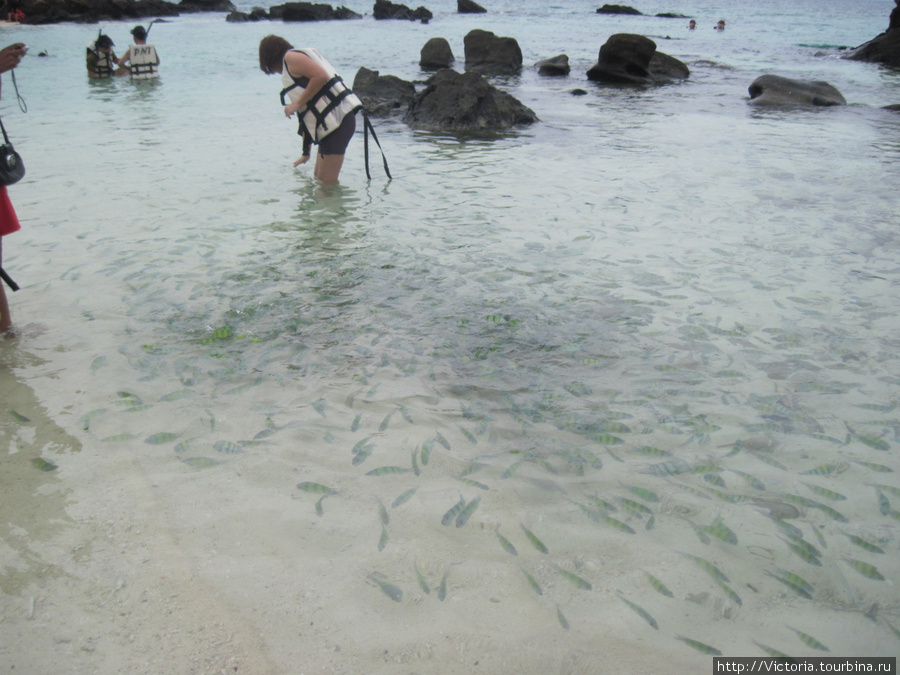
{"points": [[10, 57]]}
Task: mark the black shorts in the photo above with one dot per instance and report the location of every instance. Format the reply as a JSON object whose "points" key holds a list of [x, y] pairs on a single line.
{"points": [[337, 141]]}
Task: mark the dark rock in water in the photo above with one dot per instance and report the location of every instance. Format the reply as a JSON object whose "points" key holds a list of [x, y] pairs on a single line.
{"points": [[777, 90], [309, 11], [894, 106], [627, 58], [197, 6], [57, 11], [884, 48], [489, 54], [619, 9], [384, 9], [382, 95], [558, 66], [256, 14], [469, 7], [672, 15], [461, 102], [238, 17], [578, 92], [436, 54]]}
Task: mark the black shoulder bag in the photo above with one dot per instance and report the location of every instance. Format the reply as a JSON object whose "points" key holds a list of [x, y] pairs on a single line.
{"points": [[12, 168]]}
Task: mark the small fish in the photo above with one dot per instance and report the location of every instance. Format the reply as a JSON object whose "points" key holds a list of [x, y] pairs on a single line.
{"points": [[574, 578], [403, 498], [511, 470], [531, 582], [871, 466], [826, 470], [654, 452], [319, 406], [825, 492], [386, 421], [426, 451], [562, 618], [720, 530], [388, 471], [714, 479], [442, 589], [729, 592], [506, 544], [643, 613], [315, 488], [443, 441], [874, 442], [806, 551], [404, 411], [354, 426], [884, 505], [160, 438], [18, 416], [537, 543], [863, 544], [118, 438], [607, 439], [751, 480], [708, 567], [473, 483], [699, 646], [864, 568], [320, 510], [454, 511], [393, 592], [464, 515], [772, 652], [810, 641], [701, 535], [383, 515], [423, 584], [42, 464], [85, 420], [658, 586], [201, 462], [383, 540], [227, 447], [634, 508], [796, 583], [618, 524]]}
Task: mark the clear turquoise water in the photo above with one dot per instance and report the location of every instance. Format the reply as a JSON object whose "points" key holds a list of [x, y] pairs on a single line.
{"points": [[664, 289]]}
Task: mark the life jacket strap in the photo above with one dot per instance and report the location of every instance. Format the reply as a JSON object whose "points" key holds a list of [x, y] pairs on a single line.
{"points": [[367, 127]]}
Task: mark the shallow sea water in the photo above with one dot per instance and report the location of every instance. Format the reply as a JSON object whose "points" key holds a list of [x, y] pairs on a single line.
{"points": [[649, 341]]}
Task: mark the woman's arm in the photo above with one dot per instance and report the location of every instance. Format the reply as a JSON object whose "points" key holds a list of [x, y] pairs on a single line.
{"points": [[300, 65]]}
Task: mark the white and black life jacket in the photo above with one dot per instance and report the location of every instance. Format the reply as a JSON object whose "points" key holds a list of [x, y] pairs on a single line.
{"points": [[143, 62], [327, 109], [103, 66]]}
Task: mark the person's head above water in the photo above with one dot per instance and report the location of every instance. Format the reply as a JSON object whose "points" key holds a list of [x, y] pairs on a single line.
{"points": [[104, 42], [692, 24], [272, 49], [139, 33], [721, 24]]}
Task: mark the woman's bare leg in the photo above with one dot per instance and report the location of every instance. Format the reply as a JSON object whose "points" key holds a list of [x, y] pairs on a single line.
{"points": [[328, 167]]}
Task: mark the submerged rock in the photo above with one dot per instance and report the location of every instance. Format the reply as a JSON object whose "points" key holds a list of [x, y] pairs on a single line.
{"points": [[619, 9], [627, 58], [884, 48], [777, 90], [457, 102], [557, 66], [489, 54]]}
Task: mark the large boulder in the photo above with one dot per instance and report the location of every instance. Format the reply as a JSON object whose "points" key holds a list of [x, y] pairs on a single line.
{"points": [[619, 9], [557, 66], [436, 54], [465, 102], [382, 95], [384, 9], [884, 48], [198, 6], [309, 11], [777, 90], [38, 12], [469, 7], [627, 58], [489, 54]]}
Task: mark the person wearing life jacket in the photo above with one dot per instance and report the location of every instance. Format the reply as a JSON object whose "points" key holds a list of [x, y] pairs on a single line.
{"points": [[325, 105], [141, 59], [101, 58]]}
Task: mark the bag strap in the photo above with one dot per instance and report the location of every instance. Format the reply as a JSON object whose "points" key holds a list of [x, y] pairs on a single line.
{"points": [[367, 127], [5, 137], [8, 279]]}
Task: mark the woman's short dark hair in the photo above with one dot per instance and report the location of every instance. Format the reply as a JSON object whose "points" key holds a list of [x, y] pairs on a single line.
{"points": [[271, 53]]}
